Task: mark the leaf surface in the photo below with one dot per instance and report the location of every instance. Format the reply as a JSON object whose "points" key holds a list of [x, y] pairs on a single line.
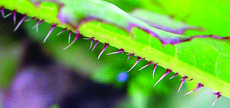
{"points": [[162, 22], [206, 59]]}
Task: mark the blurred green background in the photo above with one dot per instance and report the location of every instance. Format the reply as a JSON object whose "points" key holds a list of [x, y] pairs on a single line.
{"points": [[212, 15]]}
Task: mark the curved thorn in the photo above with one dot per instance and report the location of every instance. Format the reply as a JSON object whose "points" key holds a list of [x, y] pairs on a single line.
{"points": [[52, 28], [23, 18], [182, 82], [69, 36], [106, 45], [130, 56], [95, 45], [146, 65], [174, 75], [119, 51], [198, 86], [166, 73], [154, 69], [62, 31], [75, 39], [138, 59]]}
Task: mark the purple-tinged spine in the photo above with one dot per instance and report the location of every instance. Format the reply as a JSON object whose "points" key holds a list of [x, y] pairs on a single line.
{"points": [[62, 31], [95, 45], [131, 54], [103, 50], [189, 80], [75, 39], [146, 65], [182, 82], [52, 28], [154, 69], [166, 73], [38, 23], [30, 19], [20, 22], [2, 11], [14, 15], [69, 36], [198, 86], [119, 51], [218, 96], [174, 75], [137, 61], [91, 41]]}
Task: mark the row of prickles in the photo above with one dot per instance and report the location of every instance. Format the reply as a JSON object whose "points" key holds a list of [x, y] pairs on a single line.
{"points": [[185, 79]]}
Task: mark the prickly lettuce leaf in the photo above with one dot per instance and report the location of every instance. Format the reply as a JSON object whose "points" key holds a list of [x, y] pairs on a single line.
{"points": [[188, 51], [204, 59]]}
